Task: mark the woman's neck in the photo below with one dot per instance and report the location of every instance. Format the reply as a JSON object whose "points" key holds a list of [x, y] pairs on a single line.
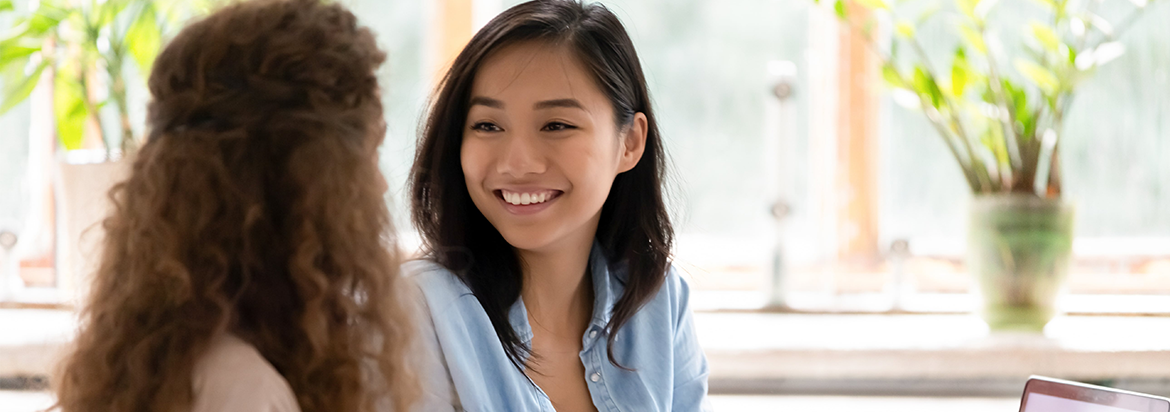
{"points": [[558, 291]]}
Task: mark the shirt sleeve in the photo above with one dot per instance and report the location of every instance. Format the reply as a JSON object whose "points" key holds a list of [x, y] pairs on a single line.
{"points": [[438, 389], [690, 364]]}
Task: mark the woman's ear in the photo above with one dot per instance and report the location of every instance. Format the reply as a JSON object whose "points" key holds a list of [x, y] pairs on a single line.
{"points": [[633, 143]]}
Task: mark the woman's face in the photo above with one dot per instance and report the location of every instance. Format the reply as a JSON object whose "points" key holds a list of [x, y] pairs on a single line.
{"points": [[541, 148]]}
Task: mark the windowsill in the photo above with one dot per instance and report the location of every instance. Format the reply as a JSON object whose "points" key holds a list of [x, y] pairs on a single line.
{"points": [[946, 354], [918, 303]]}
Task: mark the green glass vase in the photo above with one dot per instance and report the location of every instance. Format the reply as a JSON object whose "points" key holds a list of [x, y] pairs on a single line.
{"points": [[1018, 252]]}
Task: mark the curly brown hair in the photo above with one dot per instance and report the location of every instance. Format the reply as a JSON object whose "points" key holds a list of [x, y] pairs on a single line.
{"points": [[256, 208]]}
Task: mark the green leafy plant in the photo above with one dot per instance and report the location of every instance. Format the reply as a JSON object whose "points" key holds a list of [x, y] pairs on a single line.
{"points": [[85, 45], [1004, 133]]}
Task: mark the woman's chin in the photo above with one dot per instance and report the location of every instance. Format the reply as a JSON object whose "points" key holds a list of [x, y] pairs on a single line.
{"points": [[526, 239]]}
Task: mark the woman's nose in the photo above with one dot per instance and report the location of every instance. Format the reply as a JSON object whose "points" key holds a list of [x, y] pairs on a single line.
{"points": [[521, 156]]}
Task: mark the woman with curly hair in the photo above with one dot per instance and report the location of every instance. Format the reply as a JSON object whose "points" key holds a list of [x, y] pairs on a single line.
{"points": [[249, 263]]}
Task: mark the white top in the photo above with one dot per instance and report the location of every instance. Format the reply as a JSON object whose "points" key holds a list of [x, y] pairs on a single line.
{"points": [[233, 377]]}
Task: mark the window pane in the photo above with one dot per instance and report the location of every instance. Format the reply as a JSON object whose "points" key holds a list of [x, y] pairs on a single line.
{"points": [[707, 64]]}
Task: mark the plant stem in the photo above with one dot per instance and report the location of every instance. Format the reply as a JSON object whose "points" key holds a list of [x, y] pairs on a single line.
{"points": [[984, 182], [934, 117], [114, 63], [938, 123], [129, 144], [90, 106], [1011, 140]]}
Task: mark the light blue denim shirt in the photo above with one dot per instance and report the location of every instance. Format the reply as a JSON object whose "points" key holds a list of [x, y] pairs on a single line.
{"points": [[467, 369]]}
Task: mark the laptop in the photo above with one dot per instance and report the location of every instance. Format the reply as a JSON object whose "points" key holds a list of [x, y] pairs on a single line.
{"points": [[1043, 394]]}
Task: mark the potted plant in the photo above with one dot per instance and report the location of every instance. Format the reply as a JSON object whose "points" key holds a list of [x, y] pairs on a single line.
{"points": [[79, 53], [1002, 120]]}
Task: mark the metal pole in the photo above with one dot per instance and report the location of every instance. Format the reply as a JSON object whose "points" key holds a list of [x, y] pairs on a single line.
{"points": [[783, 86]]}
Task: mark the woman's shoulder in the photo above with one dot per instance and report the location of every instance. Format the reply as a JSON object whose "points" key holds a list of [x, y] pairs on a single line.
{"points": [[424, 268], [233, 376], [676, 290], [434, 280], [671, 300]]}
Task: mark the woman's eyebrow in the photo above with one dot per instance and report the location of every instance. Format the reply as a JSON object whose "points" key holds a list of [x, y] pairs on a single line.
{"points": [[549, 104], [487, 101]]}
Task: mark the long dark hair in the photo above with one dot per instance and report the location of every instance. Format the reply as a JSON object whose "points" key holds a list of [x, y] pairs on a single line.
{"points": [[635, 228]]}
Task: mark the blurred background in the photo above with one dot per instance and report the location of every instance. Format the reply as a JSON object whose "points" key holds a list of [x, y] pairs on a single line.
{"points": [[822, 221]]}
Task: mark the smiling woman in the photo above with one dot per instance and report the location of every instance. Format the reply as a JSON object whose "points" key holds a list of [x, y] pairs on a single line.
{"points": [[537, 188], [540, 136]]}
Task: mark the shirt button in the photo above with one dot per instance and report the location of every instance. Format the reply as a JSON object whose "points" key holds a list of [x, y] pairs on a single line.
{"points": [[596, 377], [592, 334]]}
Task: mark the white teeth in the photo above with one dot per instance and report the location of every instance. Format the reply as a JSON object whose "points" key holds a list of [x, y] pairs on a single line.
{"points": [[525, 198]]}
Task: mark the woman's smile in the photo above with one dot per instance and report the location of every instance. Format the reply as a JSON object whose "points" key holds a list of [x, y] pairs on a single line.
{"points": [[526, 201]]}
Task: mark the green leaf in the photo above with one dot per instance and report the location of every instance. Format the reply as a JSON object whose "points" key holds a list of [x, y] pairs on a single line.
{"points": [[967, 7], [12, 52], [108, 12], [6, 5], [45, 19], [960, 70], [18, 88], [992, 139], [1041, 76], [973, 38], [904, 29], [143, 39], [874, 4], [891, 75], [839, 7], [70, 110], [1045, 35], [1018, 105], [1017, 95], [924, 84]]}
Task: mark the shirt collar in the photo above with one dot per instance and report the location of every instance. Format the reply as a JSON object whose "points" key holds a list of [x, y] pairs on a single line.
{"points": [[518, 317], [606, 286], [603, 286]]}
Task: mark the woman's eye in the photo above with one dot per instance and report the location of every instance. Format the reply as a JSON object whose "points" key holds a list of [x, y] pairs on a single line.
{"points": [[557, 126], [486, 127]]}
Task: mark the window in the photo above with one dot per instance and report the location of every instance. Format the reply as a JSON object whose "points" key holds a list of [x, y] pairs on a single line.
{"points": [[736, 148]]}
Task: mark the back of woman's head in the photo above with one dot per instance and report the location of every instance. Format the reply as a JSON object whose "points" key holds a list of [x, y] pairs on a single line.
{"points": [[256, 208]]}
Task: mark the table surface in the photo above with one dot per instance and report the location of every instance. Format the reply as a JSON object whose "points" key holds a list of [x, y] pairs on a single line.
{"points": [[15, 401]]}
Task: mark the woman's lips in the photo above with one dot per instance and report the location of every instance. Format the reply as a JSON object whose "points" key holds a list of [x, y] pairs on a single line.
{"points": [[526, 201]]}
